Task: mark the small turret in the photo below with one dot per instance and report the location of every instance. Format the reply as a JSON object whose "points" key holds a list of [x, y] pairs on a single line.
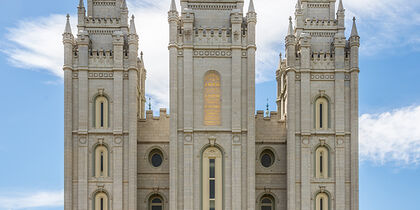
{"points": [[132, 26], [68, 41], [354, 47], [81, 13], [341, 15], [298, 5], [290, 46], [124, 5]]}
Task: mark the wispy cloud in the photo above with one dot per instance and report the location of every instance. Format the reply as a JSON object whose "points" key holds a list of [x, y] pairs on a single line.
{"points": [[36, 43], [391, 137], [32, 200]]}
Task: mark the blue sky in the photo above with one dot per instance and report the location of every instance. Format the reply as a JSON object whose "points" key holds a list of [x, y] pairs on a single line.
{"points": [[31, 145]]}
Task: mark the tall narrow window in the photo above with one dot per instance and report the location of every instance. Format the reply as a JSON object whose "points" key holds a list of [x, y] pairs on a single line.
{"points": [[101, 201], [322, 201], [321, 162], [267, 202], [212, 179], [322, 113], [101, 118], [101, 161], [212, 99], [156, 203]]}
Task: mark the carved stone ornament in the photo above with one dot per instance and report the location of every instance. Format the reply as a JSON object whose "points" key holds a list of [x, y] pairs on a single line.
{"points": [[188, 138], [212, 140], [236, 138], [82, 140], [117, 140]]}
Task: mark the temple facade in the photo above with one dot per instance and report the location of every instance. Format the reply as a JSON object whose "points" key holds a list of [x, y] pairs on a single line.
{"points": [[214, 151]]}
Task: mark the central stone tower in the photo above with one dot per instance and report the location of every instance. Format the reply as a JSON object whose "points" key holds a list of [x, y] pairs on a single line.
{"points": [[212, 90]]}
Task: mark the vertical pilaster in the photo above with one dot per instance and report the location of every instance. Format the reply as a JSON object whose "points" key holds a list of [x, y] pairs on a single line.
{"points": [[83, 41], [117, 187], [305, 119], [236, 72]]}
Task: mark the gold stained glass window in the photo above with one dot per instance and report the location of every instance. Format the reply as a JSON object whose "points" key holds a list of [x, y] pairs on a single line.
{"points": [[212, 99]]}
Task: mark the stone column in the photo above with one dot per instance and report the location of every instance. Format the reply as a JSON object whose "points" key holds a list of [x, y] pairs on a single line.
{"points": [[68, 40], [290, 121], [132, 119], [251, 49], [173, 95]]}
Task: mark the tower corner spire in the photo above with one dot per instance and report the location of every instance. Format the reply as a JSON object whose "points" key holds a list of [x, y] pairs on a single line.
{"points": [[251, 7], [132, 26], [340, 6], [354, 28], [81, 4], [68, 27], [290, 32], [173, 6], [124, 5]]}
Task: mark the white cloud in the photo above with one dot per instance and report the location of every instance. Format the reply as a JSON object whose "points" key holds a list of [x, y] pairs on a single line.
{"points": [[391, 136], [36, 44], [33, 200]]}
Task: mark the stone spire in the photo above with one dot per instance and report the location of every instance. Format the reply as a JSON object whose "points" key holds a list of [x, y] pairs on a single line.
{"points": [[251, 6], [290, 32], [81, 4], [132, 26], [298, 5], [68, 27], [354, 29], [173, 6], [124, 4], [340, 6]]}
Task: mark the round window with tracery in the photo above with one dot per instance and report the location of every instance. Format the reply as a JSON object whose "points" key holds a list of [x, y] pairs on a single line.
{"points": [[156, 158], [267, 158]]}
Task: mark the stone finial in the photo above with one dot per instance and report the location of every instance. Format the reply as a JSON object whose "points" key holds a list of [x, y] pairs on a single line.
{"points": [[354, 29], [251, 7], [290, 32], [298, 5], [81, 4], [68, 27], [340, 6], [124, 4], [132, 26], [173, 6]]}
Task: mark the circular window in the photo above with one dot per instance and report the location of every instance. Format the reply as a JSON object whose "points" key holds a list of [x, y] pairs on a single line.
{"points": [[156, 158], [267, 158]]}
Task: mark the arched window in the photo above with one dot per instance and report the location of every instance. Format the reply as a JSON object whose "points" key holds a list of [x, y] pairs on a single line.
{"points": [[101, 112], [101, 161], [267, 202], [212, 179], [212, 98], [322, 201], [156, 203], [101, 201], [322, 113], [322, 162]]}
